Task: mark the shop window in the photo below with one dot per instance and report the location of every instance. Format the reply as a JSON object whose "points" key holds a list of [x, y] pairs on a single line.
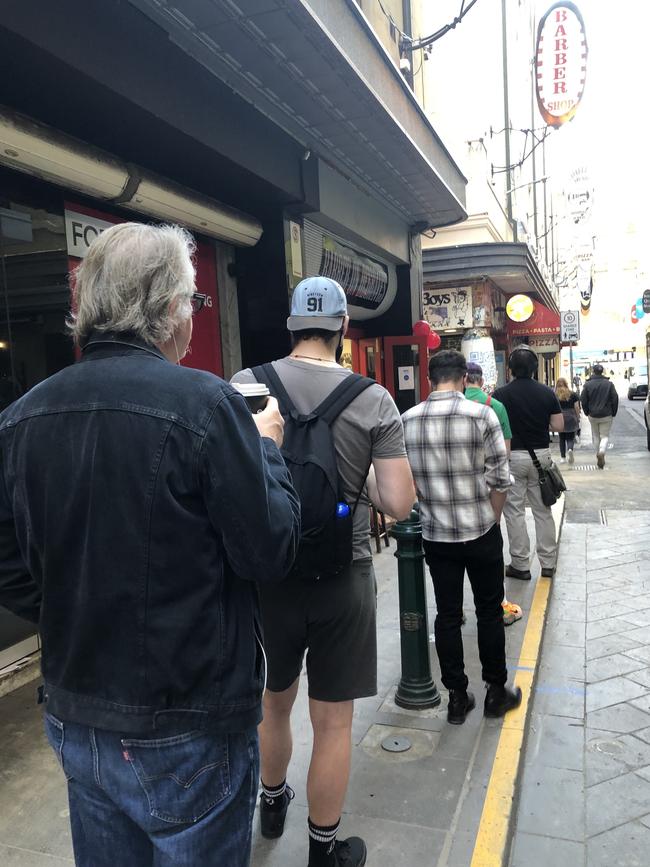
{"points": [[34, 297], [34, 303]]}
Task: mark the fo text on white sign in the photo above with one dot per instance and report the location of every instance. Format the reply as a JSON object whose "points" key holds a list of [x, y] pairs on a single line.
{"points": [[81, 231]]}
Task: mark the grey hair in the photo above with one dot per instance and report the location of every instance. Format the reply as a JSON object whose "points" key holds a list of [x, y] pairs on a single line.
{"points": [[133, 274], [474, 378]]}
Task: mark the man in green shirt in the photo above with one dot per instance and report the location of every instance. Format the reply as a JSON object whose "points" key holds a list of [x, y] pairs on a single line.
{"points": [[474, 391]]}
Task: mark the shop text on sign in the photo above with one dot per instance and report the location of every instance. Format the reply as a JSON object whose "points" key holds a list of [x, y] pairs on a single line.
{"points": [[560, 63]]}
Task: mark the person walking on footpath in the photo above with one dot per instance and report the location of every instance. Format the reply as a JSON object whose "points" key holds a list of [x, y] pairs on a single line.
{"points": [[325, 610], [474, 391], [570, 404], [140, 503], [460, 465], [599, 401], [532, 408]]}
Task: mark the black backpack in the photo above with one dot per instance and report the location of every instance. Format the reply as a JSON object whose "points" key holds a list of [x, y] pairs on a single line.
{"points": [[308, 450]]}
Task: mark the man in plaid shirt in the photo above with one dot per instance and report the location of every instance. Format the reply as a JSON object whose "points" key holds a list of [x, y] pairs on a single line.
{"points": [[458, 457]]}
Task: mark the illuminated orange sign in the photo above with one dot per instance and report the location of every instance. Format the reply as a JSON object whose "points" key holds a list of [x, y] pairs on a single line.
{"points": [[560, 63]]}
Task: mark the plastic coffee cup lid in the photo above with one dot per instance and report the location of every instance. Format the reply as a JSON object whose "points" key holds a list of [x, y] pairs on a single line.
{"points": [[252, 389]]}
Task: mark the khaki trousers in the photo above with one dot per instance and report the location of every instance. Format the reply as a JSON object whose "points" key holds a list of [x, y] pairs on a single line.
{"points": [[526, 488], [600, 428]]}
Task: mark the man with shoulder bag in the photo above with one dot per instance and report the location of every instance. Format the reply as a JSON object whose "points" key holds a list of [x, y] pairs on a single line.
{"points": [[532, 408]]}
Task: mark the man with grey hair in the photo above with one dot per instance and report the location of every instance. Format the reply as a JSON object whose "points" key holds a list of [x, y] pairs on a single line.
{"points": [[140, 501]]}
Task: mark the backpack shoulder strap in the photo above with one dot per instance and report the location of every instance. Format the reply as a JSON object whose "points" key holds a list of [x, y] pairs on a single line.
{"points": [[266, 373], [344, 393]]}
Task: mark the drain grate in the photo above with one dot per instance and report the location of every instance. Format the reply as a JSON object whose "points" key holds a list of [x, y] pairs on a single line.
{"points": [[585, 468]]}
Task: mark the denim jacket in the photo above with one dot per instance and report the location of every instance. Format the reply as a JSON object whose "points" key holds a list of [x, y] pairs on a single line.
{"points": [[138, 507]]}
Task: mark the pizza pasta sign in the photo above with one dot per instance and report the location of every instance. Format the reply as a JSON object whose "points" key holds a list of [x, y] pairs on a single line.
{"points": [[560, 63]]}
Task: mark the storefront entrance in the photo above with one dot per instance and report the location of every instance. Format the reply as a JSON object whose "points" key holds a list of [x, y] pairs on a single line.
{"points": [[398, 363]]}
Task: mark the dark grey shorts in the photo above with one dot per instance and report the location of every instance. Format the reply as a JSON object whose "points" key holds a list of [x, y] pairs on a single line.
{"points": [[334, 619]]}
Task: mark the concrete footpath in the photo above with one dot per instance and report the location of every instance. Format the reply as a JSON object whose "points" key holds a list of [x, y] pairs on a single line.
{"points": [[421, 807], [584, 794]]}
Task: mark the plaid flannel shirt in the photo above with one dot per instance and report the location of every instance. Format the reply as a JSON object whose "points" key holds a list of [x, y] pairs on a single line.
{"points": [[458, 454]]}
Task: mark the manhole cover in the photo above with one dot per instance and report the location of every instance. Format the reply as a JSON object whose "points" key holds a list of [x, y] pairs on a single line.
{"points": [[583, 516], [396, 744]]}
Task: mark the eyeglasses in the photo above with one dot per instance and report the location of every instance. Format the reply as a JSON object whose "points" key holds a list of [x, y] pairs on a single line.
{"points": [[198, 302]]}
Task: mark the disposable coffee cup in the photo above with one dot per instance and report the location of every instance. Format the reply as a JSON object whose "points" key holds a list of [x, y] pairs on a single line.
{"points": [[256, 394]]}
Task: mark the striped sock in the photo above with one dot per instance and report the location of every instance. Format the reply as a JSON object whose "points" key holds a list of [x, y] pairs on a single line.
{"points": [[273, 795], [321, 844]]}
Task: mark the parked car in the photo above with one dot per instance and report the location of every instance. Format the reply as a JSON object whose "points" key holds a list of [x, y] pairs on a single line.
{"points": [[646, 415], [638, 386]]}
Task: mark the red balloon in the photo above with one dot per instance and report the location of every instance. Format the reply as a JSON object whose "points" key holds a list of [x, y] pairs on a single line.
{"points": [[421, 328], [433, 340]]}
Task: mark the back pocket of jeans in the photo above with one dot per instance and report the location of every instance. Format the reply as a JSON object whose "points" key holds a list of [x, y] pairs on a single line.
{"points": [[183, 776], [55, 731]]}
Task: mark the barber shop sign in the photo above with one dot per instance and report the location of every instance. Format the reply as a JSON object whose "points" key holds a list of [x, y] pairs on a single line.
{"points": [[560, 63]]}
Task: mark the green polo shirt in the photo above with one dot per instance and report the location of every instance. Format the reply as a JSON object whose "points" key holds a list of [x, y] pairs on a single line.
{"points": [[476, 394]]}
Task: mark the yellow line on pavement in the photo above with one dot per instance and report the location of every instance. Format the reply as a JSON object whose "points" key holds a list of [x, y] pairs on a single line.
{"points": [[490, 846]]}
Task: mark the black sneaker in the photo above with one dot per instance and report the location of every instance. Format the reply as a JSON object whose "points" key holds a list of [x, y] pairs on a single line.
{"points": [[460, 704], [350, 853], [500, 699], [522, 574], [548, 571], [273, 812]]}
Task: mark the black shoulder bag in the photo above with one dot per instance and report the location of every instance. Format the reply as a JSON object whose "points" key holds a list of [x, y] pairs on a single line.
{"points": [[551, 481]]}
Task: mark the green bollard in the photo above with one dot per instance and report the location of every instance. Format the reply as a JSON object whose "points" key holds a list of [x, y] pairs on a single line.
{"points": [[416, 689]]}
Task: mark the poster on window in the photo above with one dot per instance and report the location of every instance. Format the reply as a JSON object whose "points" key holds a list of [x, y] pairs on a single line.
{"points": [[448, 308], [406, 378]]}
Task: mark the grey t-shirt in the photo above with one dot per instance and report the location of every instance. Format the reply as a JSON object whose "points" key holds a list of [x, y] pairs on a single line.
{"points": [[370, 427]]}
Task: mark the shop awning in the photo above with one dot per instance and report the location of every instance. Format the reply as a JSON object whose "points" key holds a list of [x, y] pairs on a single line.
{"points": [[512, 267], [319, 72], [542, 323]]}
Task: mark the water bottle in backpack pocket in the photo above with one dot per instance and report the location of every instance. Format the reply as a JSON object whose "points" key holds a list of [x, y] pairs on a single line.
{"points": [[310, 455]]}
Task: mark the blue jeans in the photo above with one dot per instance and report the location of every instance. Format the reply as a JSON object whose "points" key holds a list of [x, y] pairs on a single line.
{"points": [[186, 800]]}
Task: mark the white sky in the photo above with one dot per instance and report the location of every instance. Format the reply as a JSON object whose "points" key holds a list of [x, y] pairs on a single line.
{"points": [[611, 135]]}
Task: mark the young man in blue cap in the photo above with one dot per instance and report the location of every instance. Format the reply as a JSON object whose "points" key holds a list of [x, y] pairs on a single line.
{"points": [[331, 617]]}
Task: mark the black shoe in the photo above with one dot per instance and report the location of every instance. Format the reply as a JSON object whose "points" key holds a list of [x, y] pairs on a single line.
{"points": [[600, 460], [548, 571], [350, 853], [500, 699], [273, 813], [460, 704], [522, 574]]}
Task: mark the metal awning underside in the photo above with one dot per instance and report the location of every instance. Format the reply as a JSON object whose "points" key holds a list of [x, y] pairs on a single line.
{"points": [[510, 266], [331, 85]]}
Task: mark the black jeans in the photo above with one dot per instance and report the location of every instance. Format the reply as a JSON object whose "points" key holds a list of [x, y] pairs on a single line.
{"points": [[567, 441], [483, 560]]}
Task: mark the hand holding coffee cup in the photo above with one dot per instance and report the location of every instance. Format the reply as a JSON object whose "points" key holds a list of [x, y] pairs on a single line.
{"points": [[255, 393], [269, 422]]}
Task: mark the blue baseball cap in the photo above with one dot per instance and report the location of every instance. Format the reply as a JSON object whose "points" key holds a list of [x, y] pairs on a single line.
{"points": [[317, 302]]}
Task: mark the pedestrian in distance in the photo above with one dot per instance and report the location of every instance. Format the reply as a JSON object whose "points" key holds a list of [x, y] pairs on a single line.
{"points": [[570, 405], [474, 391], [532, 408], [141, 502], [327, 606], [460, 465], [599, 401]]}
